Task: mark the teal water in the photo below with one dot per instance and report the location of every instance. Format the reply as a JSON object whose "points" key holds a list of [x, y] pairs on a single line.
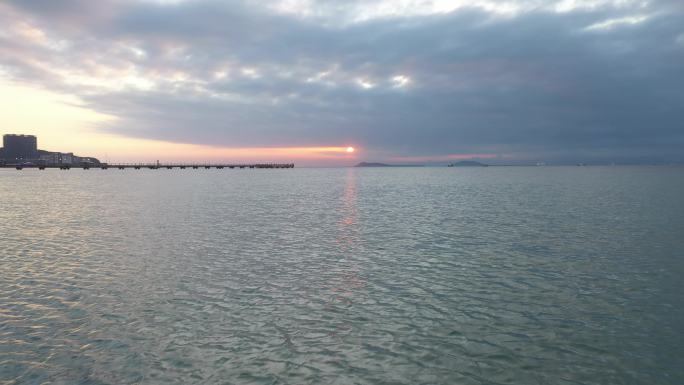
{"points": [[510, 275]]}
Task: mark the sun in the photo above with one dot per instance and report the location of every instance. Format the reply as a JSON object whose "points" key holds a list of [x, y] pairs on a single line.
{"points": [[350, 150]]}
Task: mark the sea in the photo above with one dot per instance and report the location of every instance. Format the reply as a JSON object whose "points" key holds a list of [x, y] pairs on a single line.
{"points": [[496, 275]]}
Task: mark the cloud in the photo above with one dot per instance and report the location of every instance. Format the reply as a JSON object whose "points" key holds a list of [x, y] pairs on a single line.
{"points": [[524, 79], [613, 23]]}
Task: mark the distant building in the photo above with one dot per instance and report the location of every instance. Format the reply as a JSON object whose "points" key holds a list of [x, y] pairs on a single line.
{"points": [[46, 157], [20, 147]]}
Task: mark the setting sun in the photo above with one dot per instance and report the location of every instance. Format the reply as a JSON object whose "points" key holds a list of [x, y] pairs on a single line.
{"points": [[350, 149]]}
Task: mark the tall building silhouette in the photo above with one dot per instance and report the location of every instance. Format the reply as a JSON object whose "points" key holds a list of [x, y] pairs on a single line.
{"points": [[20, 146]]}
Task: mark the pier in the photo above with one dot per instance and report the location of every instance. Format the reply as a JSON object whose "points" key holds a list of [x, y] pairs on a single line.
{"points": [[147, 166]]}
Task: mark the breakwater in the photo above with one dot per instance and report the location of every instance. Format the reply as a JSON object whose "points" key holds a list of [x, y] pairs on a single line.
{"points": [[149, 166]]}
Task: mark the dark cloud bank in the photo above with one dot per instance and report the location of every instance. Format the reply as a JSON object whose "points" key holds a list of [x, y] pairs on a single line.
{"points": [[535, 86]]}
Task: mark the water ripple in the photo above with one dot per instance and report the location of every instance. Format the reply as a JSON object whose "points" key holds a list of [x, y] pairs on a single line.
{"points": [[397, 276]]}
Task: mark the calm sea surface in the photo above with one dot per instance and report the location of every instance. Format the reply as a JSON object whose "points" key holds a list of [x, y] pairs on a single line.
{"points": [[509, 275]]}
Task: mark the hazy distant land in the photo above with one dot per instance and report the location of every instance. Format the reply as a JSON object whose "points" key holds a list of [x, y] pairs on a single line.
{"points": [[376, 164], [468, 163], [463, 163]]}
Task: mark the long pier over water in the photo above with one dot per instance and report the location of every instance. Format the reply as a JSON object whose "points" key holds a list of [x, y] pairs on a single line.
{"points": [[148, 166]]}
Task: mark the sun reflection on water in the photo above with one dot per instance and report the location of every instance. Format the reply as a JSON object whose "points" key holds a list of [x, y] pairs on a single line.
{"points": [[349, 278]]}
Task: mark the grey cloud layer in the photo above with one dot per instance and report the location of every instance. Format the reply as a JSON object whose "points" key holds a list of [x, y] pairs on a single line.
{"points": [[536, 85]]}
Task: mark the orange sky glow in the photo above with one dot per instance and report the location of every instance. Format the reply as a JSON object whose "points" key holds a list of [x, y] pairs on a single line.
{"points": [[63, 123]]}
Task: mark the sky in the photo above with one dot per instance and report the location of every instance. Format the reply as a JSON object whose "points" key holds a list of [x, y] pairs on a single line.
{"points": [[401, 81]]}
